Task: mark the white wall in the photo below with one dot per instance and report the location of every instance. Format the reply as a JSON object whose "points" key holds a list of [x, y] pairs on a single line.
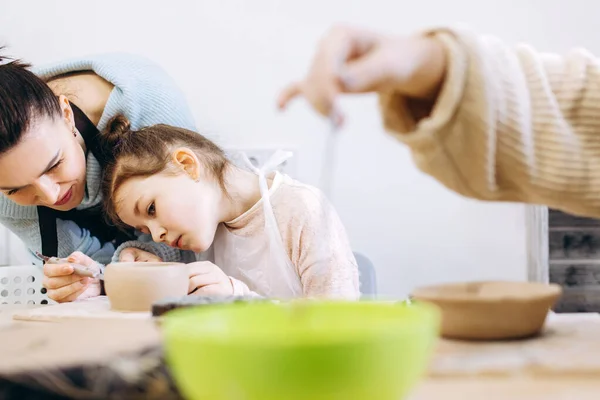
{"points": [[231, 57]]}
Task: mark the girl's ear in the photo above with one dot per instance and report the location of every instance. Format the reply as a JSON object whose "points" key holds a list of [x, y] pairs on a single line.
{"points": [[187, 160]]}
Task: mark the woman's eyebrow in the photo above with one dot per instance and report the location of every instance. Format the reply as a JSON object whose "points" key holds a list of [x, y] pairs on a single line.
{"points": [[48, 168]]}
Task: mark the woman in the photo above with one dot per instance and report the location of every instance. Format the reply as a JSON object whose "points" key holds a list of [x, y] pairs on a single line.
{"points": [[488, 121], [51, 160]]}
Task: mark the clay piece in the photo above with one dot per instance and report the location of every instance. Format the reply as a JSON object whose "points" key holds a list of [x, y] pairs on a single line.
{"points": [[163, 306], [133, 287], [93, 308], [491, 310]]}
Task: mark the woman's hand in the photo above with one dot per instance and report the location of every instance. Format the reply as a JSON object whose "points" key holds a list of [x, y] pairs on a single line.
{"points": [[132, 254], [63, 285], [350, 60], [206, 279]]}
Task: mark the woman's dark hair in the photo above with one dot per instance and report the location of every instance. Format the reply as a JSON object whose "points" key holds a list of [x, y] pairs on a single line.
{"points": [[24, 97]]}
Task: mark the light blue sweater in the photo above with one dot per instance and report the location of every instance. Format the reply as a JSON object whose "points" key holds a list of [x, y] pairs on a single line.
{"points": [[146, 95]]}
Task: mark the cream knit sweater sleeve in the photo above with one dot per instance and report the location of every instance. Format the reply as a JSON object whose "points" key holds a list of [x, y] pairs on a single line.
{"points": [[510, 124]]}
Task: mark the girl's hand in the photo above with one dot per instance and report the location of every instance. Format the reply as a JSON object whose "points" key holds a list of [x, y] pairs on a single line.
{"points": [[206, 279], [64, 285], [350, 60]]}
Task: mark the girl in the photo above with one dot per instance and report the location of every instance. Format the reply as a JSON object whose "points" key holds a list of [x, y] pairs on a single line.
{"points": [[487, 120], [274, 237], [50, 157]]}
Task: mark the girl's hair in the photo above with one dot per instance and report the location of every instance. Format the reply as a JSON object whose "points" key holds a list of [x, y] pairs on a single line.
{"points": [[24, 97], [142, 153]]}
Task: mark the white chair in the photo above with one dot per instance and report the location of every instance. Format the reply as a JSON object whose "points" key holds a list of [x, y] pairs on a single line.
{"points": [[22, 285]]}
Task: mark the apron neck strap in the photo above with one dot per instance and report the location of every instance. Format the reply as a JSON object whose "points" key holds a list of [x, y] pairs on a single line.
{"points": [[276, 159]]}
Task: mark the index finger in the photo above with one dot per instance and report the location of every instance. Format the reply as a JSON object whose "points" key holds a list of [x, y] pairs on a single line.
{"points": [[288, 94], [55, 270]]}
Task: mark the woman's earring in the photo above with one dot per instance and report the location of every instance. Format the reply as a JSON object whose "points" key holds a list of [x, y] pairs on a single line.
{"points": [[74, 131]]}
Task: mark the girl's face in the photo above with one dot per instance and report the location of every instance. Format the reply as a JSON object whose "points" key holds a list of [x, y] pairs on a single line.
{"points": [[47, 167], [180, 209]]}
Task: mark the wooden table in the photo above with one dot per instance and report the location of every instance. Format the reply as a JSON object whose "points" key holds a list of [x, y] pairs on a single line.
{"points": [[563, 364], [508, 389], [6, 314]]}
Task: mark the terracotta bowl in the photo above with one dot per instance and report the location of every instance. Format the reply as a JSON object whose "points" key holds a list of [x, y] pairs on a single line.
{"points": [[491, 310], [135, 286]]}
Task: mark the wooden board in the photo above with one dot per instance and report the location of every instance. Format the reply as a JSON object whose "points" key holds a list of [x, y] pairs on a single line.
{"points": [[84, 359], [95, 308], [569, 346]]}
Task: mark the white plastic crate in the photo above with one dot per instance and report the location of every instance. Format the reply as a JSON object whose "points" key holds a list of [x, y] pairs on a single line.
{"points": [[22, 285]]}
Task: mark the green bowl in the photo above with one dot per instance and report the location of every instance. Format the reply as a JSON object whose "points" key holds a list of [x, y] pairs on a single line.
{"points": [[300, 350]]}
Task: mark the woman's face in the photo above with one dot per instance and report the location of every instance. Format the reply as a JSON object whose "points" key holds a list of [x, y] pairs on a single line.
{"points": [[47, 167]]}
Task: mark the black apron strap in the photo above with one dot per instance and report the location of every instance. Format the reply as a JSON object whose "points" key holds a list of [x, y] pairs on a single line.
{"points": [[47, 216], [91, 135], [48, 233]]}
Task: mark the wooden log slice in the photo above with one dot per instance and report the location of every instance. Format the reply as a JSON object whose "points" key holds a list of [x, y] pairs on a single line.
{"points": [[86, 359]]}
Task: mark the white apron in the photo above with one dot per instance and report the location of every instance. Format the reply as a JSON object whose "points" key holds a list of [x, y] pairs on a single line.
{"points": [[261, 262]]}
